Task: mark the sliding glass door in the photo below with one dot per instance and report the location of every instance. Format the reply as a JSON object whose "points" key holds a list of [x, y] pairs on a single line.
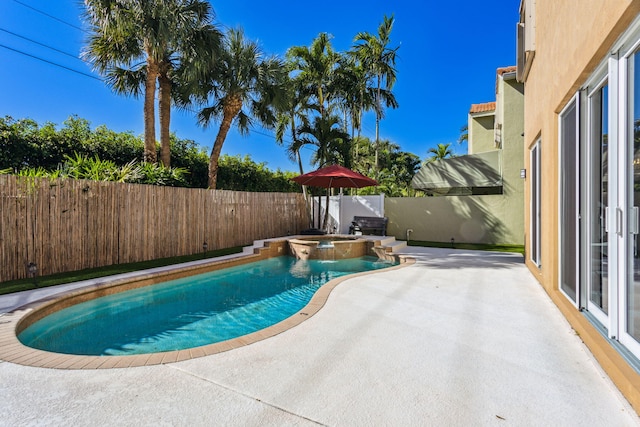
{"points": [[630, 300], [597, 199]]}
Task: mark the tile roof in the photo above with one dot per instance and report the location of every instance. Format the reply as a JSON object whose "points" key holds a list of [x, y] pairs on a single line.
{"points": [[482, 108], [502, 70]]}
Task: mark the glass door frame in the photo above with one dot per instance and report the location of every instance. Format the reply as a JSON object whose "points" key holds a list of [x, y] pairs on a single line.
{"points": [[589, 171], [625, 192], [572, 166]]}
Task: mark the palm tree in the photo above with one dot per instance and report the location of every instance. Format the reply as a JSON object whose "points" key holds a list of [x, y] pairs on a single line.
{"points": [[355, 94], [378, 59], [333, 146], [137, 45], [440, 152], [331, 142], [464, 134], [316, 67], [294, 114], [241, 78]]}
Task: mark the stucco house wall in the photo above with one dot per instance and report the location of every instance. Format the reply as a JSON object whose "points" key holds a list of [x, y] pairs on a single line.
{"points": [[494, 218], [570, 42], [467, 219], [481, 126], [511, 109]]}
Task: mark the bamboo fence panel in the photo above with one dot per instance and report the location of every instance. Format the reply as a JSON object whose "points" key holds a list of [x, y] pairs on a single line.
{"points": [[66, 225]]}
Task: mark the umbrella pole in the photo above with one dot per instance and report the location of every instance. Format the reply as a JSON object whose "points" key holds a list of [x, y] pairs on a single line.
{"points": [[319, 214], [326, 212]]}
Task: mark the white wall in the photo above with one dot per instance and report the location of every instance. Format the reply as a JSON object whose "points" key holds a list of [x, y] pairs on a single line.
{"points": [[343, 208]]}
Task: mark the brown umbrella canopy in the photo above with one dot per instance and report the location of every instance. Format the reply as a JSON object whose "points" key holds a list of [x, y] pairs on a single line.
{"points": [[333, 177]]}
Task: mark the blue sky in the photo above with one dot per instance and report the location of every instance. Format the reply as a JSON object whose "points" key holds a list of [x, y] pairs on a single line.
{"points": [[448, 55]]}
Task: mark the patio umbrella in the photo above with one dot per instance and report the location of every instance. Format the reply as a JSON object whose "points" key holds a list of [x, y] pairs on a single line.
{"points": [[334, 176]]}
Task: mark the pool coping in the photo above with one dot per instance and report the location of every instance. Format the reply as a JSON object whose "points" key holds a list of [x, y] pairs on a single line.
{"points": [[12, 350]]}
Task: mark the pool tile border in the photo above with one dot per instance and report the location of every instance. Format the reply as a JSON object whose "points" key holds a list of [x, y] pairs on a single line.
{"points": [[13, 322]]}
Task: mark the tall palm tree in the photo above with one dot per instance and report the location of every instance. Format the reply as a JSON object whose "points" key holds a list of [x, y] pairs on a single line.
{"points": [[316, 65], [379, 59], [440, 152], [295, 113], [138, 44], [355, 94], [244, 86]]}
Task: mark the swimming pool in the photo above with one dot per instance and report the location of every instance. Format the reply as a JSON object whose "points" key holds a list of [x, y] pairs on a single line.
{"points": [[190, 312]]}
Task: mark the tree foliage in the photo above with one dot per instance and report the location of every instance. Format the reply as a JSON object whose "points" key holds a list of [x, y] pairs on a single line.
{"points": [[238, 173], [440, 152], [242, 87], [77, 151], [138, 45], [397, 168]]}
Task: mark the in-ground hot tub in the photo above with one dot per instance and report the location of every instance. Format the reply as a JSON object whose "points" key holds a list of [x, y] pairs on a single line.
{"points": [[329, 247]]}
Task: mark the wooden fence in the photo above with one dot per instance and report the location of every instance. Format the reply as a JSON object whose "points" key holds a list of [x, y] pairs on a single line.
{"points": [[67, 225]]}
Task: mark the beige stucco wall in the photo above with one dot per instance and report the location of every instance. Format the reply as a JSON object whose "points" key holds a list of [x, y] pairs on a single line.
{"points": [[570, 42], [481, 132], [468, 219]]}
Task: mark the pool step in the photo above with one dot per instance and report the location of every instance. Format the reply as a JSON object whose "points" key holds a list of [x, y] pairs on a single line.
{"points": [[391, 245]]}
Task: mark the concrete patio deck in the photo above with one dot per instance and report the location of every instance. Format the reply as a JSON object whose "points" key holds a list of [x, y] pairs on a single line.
{"points": [[458, 338]]}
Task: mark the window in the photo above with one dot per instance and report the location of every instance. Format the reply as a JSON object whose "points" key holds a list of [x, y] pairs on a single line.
{"points": [[535, 204], [526, 39]]}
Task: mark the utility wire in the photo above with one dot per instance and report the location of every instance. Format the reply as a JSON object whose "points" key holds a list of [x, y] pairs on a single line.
{"points": [[50, 16], [41, 44], [52, 63], [76, 57]]}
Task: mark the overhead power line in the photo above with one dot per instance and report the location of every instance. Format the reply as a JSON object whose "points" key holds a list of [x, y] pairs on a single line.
{"points": [[41, 44], [50, 16], [52, 63]]}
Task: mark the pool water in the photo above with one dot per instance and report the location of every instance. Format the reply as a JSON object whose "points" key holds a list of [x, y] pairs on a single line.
{"points": [[192, 311]]}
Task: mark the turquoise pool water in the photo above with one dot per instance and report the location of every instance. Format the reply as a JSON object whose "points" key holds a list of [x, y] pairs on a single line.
{"points": [[192, 311]]}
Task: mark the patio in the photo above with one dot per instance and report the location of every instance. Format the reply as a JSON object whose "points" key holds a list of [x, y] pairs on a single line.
{"points": [[458, 338]]}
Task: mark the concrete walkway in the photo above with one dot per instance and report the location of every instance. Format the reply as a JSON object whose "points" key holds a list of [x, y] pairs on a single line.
{"points": [[460, 338]]}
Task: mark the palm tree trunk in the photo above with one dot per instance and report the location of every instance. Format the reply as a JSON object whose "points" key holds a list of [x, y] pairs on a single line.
{"points": [[232, 107], [149, 112], [304, 191], [165, 119], [294, 137], [378, 109]]}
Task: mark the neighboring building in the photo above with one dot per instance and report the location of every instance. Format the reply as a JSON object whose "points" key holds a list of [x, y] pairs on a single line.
{"points": [[480, 127], [490, 173], [581, 70]]}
